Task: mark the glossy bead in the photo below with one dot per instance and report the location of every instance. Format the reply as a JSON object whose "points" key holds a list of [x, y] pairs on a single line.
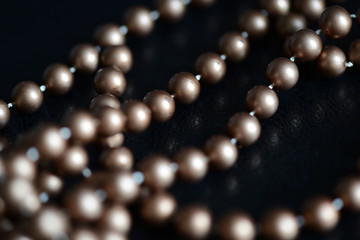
{"points": [[161, 104], [73, 161], [27, 97], [244, 128], [158, 208], [110, 80], [193, 163], [280, 224], [49, 183], [221, 152], [312, 9], [58, 79], [4, 114], [234, 46], [262, 100], [116, 218], [276, 7], [332, 61], [320, 214], [291, 23], [203, 3], [117, 159], [354, 53], [104, 100], [49, 142], [305, 44], [211, 68], [113, 141], [348, 189], [82, 125], [193, 222], [335, 22], [121, 187], [236, 226], [84, 234], [185, 87], [85, 58], [157, 172], [109, 34], [254, 23], [111, 121], [117, 56], [171, 10], [19, 165], [138, 114], [139, 21], [282, 73]]}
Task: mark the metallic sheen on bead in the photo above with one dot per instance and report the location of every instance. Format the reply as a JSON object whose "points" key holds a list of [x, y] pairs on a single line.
{"points": [[82, 125], [49, 142], [283, 73], [85, 58], [185, 87], [262, 100], [311, 9], [211, 68], [234, 46], [236, 226], [121, 187], [221, 152], [110, 80], [255, 23], [116, 218], [291, 23], [193, 164], [73, 160], [305, 44], [244, 128], [171, 10], [161, 104], [58, 79], [4, 114], [138, 20], [109, 34], [158, 208], [27, 97], [104, 100], [332, 61], [335, 22], [138, 115], [348, 189], [276, 7], [110, 121], [354, 53], [117, 56]]}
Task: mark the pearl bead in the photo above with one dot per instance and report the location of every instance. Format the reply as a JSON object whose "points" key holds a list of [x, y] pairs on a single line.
{"points": [[335, 22], [193, 164], [171, 10], [58, 79], [234, 46], [221, 152], [85, 58], [211, 68], [244, 128], [110, 80], [262, 100], [117, 56], [109, 35], [305, 44], [27, 97], [254, 23], [283, 73], [138, 20], [185, 87], [332, 61], [161, 104]]}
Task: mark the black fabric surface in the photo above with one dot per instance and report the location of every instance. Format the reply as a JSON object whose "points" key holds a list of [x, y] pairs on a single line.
{"points": [[311, 142]]}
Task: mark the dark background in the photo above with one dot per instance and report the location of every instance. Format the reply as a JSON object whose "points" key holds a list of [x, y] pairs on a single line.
{"points": [[311, 142]]}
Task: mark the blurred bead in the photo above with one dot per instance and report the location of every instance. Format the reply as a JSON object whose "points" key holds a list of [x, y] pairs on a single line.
{"points": [[84, 234], [332, 61], [85, 58], [161, 104], [111, 121], [49, 183], [348, 189], [138, 20], [262, 100], [193, 222], [211, 68], [185, 87], [354, 53], [114, 141], [244, 128], [104, 100], [193, 163], [27, 97], [82, 125], [157, 172], [171, 10], [110, 80], [117, 56], [305, 44], [4, 114], [116, 218], [312, 9], [221, 152], [109, 34], [18, 165], [236, 226], [58, 79], [203, 3], [3, 170], [49, 142], [121, 187], [280, 224], [283, 73], [320, 214], [291, 23], [138, 114], [234, 46], [158, 208], [254, 22], [335, 22], [117, 159], [111, 235], [276, 8], [73, 161]]}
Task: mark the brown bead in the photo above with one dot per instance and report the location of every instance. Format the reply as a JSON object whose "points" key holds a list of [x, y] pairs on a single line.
{"points": [[244, 128], [19, 165], [139, 21], [185, 87], [193, 163], [348, 189], [117, 56], [109, 34], [203, 3], [111, 235], [161, 104], [121, 187], [335, 22], [262, 100], [305, 44], [234, 46], [73, 161], [104, 100], [82, 125], [312, 9], [117, 159], [193, 222], [58, 79], [282, 73], [354, 53], [4, 114], [85, 58], [84, 234], [113, 141], [111, 121], [280, 224], [291, 23], [221, 152], [157, 172], [4, 144], [320, 214], [255, 23], [27, 97], [116, 218], [211, 68], [110, 80], [171, 10], [332, 61], [236, 226], [49, 183], [158, 208], [49, 142], [138, 114], [276, 7]]}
